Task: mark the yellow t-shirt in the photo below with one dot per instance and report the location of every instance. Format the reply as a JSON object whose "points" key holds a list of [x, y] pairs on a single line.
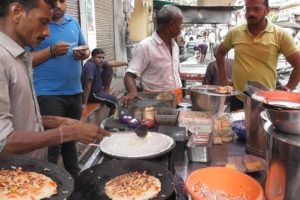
{"points": [[256, 58]]}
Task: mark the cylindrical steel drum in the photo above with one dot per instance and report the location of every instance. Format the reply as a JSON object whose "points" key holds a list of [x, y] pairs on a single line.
{"points": [[205, 98], [283, 177], [255, 134]]}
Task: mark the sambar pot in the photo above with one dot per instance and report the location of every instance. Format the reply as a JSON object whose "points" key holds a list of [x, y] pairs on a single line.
{"points": [[283, 156], [255, 134]]}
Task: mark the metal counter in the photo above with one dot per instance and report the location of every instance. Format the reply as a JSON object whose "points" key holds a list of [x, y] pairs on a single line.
{"points": [[219, 156], [179, 162]]}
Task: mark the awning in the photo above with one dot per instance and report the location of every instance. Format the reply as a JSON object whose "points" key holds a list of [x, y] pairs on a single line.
{"points": [[159, 3], [207, 14], [202, 14]]}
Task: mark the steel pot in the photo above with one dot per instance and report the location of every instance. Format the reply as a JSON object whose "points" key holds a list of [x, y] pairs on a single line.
{"points": [[255, 134], [204, 98], [287, 120], [283, 177]]}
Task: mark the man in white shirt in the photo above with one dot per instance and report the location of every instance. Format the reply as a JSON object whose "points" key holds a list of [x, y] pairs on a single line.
{"points": [[155, 60]]}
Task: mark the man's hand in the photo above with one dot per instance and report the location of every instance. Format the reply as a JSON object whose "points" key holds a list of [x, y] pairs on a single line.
{"points": [[128, 98], [59, 49], [86, 133], [81, 54]]}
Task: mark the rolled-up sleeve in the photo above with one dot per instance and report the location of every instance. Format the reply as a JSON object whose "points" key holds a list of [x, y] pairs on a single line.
{"points": [[139, 60], [6, 126]]}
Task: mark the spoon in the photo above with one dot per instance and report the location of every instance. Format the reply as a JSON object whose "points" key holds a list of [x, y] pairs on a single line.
{"points": [[141, 130]]}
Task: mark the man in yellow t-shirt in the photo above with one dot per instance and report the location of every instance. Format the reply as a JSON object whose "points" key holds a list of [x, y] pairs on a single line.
{"points": [[257, 46]]}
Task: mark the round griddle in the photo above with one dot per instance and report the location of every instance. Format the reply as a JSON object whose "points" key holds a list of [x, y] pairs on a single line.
{"points": [[63, 179], [91, 182], [141, 157]]}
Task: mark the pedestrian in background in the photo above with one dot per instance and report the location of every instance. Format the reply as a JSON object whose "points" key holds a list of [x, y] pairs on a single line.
{"points": [[56, 78], [212, 42], [180, 42], [202, 51]]}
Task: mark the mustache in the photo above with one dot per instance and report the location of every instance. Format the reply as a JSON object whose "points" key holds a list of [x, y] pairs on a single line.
{"points": [[251, 17]]}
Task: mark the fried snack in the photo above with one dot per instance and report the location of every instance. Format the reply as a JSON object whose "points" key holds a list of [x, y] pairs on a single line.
{"points": [[224, 89], [253, 165]]}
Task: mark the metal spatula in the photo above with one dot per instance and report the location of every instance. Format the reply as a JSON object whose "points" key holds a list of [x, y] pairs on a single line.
{"points": [[141, 130]]}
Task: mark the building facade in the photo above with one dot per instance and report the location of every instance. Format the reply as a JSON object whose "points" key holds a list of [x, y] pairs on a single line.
{"points": [[104, 25]]}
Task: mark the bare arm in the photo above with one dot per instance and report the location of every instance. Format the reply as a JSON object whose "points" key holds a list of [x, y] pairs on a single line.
{"points": [[50, 122], [221, 53], [20, 142], [294, 60], [41, 56], [58, 49], [115, 63], [87, 91], [130, 85]]}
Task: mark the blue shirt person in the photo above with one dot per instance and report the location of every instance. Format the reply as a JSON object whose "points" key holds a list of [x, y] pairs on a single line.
{"points": [[56, 78]]}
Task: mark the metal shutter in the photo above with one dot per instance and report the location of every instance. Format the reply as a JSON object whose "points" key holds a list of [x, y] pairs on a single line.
{"points": [[105, 27], [73, 9]]}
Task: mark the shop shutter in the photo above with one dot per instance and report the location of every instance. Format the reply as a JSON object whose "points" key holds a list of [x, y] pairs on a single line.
{"points": [[105, 27], [73, 9]]}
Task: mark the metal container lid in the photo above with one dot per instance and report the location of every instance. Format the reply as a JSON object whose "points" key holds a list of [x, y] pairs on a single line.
{"points": [[211, 90], [282, 136]]}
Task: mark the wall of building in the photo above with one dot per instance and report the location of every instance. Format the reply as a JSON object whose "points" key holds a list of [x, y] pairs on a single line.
{"points": [[120, 30], [287, 11], [140, 24]]}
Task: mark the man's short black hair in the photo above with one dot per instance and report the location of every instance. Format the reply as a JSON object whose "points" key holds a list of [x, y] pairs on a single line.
{"points": [[28, 5], [97, 51], [266, 2]]}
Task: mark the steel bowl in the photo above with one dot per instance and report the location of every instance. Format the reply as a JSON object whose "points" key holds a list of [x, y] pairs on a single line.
{"points": [[222, 182], [204, 98], [286, 120]]}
